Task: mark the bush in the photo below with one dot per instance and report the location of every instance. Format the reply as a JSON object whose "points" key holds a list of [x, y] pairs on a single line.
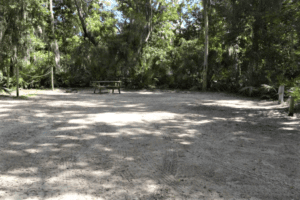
{"points": [[268, 92]]}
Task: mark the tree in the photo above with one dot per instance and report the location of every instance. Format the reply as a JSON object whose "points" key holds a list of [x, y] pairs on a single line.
{"points": [[54, 45], [206, 43]]}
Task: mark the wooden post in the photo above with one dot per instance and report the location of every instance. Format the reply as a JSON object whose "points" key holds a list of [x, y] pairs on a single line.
{"points": [[280, 94], [292, 105]]}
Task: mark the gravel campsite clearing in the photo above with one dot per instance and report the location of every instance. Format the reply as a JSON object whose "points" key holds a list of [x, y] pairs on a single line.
{"points": [[144, 145]]}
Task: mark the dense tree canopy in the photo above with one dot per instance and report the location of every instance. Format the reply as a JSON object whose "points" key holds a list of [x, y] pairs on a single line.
{"points": [[155, 43]]}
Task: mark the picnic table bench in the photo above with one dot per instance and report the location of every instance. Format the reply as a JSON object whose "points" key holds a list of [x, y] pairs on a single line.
{"points": [[100, 85]]}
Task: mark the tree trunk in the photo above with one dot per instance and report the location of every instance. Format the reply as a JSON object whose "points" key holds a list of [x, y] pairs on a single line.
{"points": [[2, 31], [292, 105], [7, 80], [250, 74], [237, 69], [51, 71], [280, 94], [54, 47], [11, 68], [57, 54], [17, 69], [205, 66]]}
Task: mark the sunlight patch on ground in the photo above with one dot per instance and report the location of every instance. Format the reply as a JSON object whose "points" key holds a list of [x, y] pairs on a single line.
{"points": [[131, 106], [82, 164], [129, 158], [240, 133], [41, 114], [240, 119], [248, 104], [32, 150], [70, 137], [185, 143], [70, 145], [125, 118], [17, 143], [291, 123], [76, 196], [150, 93], [55, 149], [88, 137], [16, 153], [203, 122], [15, 180], [220, 118], [150, 186], [191, 132], [287, 128], [46, 144], [67, 137], [69, 112], [184, 135]]}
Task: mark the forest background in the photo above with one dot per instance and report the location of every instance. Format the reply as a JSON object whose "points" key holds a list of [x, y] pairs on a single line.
{"points": [[247, 46]]}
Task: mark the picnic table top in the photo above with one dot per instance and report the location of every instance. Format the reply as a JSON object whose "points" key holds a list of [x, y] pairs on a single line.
{"points": [[107, 81]]}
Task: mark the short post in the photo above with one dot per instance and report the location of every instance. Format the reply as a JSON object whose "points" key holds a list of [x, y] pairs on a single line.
{"points": [[280, 94]]}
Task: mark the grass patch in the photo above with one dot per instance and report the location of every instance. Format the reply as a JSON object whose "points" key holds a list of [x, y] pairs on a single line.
{"points": [[31, 95], [23, 97]]}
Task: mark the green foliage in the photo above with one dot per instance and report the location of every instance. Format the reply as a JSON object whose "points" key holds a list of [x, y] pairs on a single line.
{"points": [[185, 63], [2, 86], [248, 90], [268, 92], [295, 90], [253, 46]]}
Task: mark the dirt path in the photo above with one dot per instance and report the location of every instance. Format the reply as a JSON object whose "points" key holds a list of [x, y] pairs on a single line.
{"points": [[144, 145]]}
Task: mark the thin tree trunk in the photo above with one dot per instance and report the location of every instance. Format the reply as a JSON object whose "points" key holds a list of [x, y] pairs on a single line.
{"points": [[11, 67], [250, 73], [52, 79], [2, 31], [237, 68], [7, 80], [280, 94], [17, 69], [54, 47], [205, 66], [292, 105], [52, 76]]}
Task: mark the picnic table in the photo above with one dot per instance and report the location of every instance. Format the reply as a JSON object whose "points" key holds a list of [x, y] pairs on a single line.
{"points": [[100, 85]]}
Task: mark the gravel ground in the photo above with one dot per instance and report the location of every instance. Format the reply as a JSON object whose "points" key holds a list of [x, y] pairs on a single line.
{"points": [[147, 145]]}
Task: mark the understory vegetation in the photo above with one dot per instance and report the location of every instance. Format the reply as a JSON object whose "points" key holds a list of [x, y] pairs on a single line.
{"points": [[252, 46]]}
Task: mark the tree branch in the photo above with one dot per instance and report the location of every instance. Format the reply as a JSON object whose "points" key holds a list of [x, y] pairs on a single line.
{"points": [[118, 28], [149, 26], [86, 32]]}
